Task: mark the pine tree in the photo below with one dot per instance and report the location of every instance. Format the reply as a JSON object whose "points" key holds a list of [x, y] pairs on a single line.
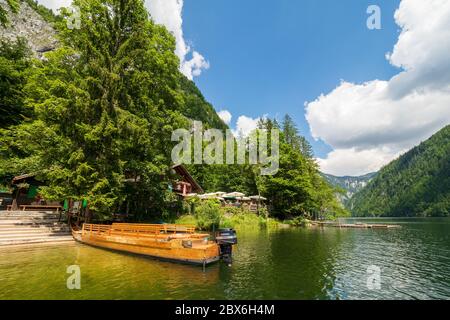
{"points": [[293, 138], [291, 132]]}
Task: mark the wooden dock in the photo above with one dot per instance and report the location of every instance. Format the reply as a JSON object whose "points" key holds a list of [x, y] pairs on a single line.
{"points": [[356, 225]]}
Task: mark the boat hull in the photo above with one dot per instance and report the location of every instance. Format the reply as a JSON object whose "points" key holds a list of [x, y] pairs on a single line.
{"points": [[172, 251]]}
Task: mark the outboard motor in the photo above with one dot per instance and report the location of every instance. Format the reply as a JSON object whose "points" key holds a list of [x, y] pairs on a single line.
{"points": [[226, 238]]}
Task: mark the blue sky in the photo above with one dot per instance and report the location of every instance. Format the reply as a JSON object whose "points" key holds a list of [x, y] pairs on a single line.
{"points": [[269, 57]]}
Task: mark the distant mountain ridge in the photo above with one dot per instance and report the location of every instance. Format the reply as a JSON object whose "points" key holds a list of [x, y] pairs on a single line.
{"points": [[416, 184], [349, 184]]}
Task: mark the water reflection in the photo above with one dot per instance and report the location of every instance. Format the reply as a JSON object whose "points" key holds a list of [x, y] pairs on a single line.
{"points": [[40, 273], [276, 264]]}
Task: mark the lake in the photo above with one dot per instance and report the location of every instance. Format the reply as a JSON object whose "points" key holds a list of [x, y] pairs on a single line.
{"points": [[329, 263]]}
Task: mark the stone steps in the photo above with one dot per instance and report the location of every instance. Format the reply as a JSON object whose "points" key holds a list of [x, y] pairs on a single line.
{"points": [[27, 215], [31, 219], [31, 232], [31, 216], [23, 222], [30, 227]]}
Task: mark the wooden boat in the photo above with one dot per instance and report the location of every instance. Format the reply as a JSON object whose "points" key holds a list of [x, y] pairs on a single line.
{"points": [[180, 243]]}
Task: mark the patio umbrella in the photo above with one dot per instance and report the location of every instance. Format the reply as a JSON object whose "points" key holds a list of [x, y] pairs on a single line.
{"points": [[234, 195], [258, 198]]}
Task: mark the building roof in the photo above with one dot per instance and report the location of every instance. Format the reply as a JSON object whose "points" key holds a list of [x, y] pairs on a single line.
{"points": [[258, 198], [184, 173], [23, 177], [234, 195]]}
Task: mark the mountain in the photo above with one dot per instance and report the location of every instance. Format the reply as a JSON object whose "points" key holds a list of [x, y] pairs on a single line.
{"points": [[416, 184], [349, 184], [35, 23], [196, 107]]}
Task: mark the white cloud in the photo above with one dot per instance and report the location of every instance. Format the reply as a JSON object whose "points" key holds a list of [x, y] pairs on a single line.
{"points": [[245, 125], [193, 68], [226, 116], [55, 4], [169, 14], [360, 162], [370, 124]]}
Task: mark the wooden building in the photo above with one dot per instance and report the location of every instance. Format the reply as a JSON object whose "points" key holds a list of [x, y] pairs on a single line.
{"points": [[185, 184], [26, 194]]}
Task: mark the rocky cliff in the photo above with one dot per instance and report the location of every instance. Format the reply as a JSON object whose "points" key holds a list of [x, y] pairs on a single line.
{"points": [[29, 24]]}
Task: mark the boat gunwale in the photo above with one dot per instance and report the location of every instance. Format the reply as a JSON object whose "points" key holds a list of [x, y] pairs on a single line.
{"points": [[143, 233]]}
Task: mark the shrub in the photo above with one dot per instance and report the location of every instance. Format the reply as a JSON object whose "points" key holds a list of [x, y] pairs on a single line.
{"points": [[244, 219], [231, 211], [208, 215], [263, 212], [299, 222]]}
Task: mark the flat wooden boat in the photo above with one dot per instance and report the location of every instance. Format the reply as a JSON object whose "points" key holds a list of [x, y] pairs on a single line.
{"points": [[180, 243]]}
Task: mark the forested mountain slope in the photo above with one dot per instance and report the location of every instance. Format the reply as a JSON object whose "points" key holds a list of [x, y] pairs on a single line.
{"points": [[416, 184], [35, 23]]}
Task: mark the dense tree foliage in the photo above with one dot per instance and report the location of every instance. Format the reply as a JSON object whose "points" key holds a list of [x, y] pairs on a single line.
{"points": [[94, 120], [293, 138], [297, 189], [14, 67], [99, 101], [196, 107], [416, 184]]}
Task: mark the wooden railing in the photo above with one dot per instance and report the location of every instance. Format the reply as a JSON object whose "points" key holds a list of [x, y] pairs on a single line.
{"points": [[138, 228], [96, 228], [153, 228]]}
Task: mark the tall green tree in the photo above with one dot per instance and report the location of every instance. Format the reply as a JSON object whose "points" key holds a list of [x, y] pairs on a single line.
{"points": [[106, 103], [290, 188], [294, 139], [15, 63], [290, 132], [297, 189]]}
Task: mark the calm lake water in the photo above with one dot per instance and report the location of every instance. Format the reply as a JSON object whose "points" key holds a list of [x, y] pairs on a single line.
{"points": [[283, 264]]}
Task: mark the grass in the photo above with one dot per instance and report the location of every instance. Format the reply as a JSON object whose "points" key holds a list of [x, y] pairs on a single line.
{"points": [[186, 219], [244, 220]]}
